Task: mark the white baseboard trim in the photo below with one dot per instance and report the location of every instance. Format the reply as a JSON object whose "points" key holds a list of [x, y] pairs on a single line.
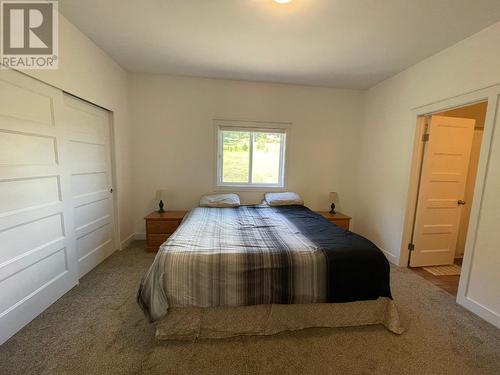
{"points": [[391, 257], [482, 311], [127, 241]]}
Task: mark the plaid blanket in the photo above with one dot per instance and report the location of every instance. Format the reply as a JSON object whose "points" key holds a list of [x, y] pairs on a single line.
{"points": [[260, 255]]}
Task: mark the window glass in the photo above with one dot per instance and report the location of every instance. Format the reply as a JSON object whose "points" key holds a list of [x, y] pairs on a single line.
{"points": [[266, 158], [236, 156], [249, 157]]}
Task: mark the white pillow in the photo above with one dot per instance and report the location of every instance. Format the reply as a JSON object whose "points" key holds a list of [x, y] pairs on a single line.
{"points": [[220, 200], [283, 199]]}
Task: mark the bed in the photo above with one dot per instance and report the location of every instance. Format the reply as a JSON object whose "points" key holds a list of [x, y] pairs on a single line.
{"points": [[262, 270]]}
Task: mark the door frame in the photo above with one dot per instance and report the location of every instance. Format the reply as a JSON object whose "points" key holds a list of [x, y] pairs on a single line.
{"points": [[114, 180], [422, 147], [491, 95]]}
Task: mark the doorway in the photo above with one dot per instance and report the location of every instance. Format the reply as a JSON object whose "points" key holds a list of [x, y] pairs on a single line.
{"points": [[447, 152]]}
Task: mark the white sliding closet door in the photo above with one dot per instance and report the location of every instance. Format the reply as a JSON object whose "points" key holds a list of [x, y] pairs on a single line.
{"points": [[37, 246], [87, 136], [56, 207]]}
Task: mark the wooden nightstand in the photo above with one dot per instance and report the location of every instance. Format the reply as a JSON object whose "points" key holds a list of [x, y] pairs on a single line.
{"points": [[338, 219], [160, 226]]}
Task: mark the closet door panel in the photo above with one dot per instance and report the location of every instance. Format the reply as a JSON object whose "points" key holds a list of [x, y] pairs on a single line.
{"points": [[37, 246], [88, 143]]}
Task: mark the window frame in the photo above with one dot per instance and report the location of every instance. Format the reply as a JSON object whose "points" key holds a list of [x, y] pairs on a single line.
{"points": [[252, 127]]}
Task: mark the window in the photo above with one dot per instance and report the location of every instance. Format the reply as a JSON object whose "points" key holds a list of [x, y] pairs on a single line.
{"points": [[251, 156]]}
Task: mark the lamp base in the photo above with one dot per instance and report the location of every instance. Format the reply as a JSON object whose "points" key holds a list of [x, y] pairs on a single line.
{"points": [[161, 210], [332, 211]]}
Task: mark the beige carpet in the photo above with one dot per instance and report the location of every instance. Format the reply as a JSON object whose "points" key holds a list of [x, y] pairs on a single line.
{"points": [[97, 328]]}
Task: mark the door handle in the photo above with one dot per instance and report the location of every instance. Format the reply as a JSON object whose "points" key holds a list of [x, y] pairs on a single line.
{"points": [[461, 202]]}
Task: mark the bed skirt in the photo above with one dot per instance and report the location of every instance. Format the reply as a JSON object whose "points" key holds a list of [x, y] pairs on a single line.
{"points": [[191, 323]]}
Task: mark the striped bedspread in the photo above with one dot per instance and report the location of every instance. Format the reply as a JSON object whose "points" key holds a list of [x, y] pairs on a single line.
{"points": [[261, 255]]}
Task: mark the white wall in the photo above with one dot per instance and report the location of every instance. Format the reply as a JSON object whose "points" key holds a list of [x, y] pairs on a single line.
{"points": [[86, 71], [173, 137], [386, 145]]}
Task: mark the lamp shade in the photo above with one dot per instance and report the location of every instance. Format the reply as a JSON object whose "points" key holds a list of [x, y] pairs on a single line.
{"points": [[161, 195], [334, 197]]}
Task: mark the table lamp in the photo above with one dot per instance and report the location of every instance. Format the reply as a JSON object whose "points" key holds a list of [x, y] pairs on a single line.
{"points": [[161, 196], [334, 198]]}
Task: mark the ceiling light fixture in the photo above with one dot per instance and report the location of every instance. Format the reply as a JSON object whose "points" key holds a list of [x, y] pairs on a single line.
{"points": [[282, 1]]}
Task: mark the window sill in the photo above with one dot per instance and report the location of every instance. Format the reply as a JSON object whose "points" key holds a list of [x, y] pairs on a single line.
{"points": [[259, 188]]}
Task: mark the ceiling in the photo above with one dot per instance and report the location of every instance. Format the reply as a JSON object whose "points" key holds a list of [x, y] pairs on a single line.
{"points": [[336, 43]]}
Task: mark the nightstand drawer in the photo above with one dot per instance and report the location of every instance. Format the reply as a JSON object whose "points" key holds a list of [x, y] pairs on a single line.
{"points": [[343, 223], [338, 218], [163, 226], [156, 240], [160, 225]]}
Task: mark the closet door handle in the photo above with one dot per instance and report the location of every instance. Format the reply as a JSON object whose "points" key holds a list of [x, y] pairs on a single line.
{"points": [[461, 202]]}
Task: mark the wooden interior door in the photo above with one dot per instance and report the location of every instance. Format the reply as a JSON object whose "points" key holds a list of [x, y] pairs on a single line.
{"points": [[441, 193], [469, 191], [87, 136]]}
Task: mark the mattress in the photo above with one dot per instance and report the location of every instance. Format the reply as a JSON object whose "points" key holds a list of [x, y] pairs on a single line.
{"points": [[261, 255]]}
